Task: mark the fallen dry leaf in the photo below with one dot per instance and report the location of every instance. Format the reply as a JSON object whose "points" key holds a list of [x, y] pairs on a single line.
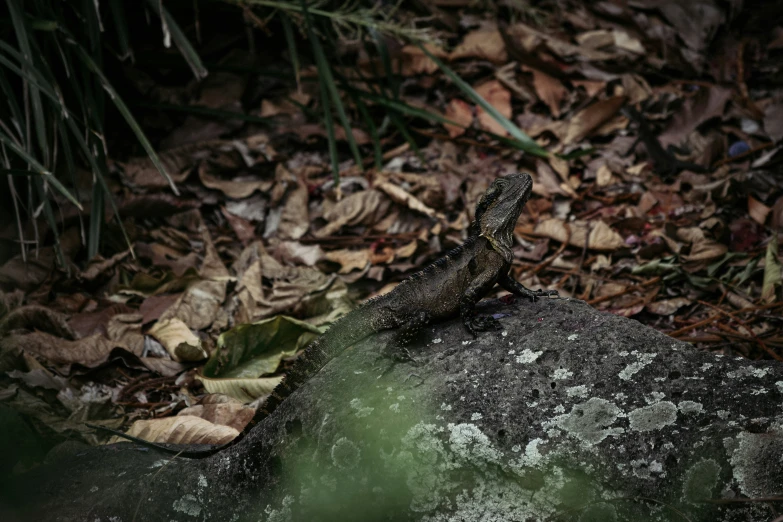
{"points": [[180, 429], [500, 98], [222, 410], [549, 90], [601, 237], [667, 306], [483, 44], [179, 341], [349, 260], [706, 103], [364, 207], [459, 112], [592, 117]]}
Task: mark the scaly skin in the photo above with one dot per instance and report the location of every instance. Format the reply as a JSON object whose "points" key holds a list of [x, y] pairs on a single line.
{"points": [[450, 286]]}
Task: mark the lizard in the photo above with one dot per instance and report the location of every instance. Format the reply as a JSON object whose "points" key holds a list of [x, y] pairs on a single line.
{"points": [[665, 163], [450, 286]]}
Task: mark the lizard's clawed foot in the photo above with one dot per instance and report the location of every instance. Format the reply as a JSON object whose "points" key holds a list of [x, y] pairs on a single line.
{"points": [[546, 293], [481, 323]]}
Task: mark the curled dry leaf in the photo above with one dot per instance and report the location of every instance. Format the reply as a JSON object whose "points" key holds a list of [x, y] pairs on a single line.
{"points": [[90, 351], [773, 277], [179, 341], [349, 260], [178, 162], [223, 410], [601, 237], [401, 196], [245, 390], [364, 207], [37, 318], [126, 329], [180, 429], [294, 217], [233, 188]]}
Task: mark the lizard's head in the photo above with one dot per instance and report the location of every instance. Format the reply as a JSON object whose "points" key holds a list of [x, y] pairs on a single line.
{"points": [[499, 208]]}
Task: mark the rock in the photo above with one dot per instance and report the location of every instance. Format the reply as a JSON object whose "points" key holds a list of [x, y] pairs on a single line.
{"points": [[566, 413]]}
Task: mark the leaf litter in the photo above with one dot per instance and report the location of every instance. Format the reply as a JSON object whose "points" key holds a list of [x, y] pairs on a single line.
{"points": [[182, 337]]}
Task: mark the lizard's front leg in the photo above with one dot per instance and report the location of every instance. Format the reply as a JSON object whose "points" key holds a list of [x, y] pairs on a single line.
{"points": [[478, 288], [509, 284]]}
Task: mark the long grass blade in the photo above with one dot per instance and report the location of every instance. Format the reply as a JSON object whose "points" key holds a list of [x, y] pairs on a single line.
{"points": [[288, 30], [126, 114], [40, 171], [20, 28], [49, 214], [180, 40], [99, 169], [117, 8], [325, 73]]}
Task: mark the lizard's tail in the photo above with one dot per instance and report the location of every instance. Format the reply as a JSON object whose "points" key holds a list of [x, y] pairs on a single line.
{"points": [[334, 341]]}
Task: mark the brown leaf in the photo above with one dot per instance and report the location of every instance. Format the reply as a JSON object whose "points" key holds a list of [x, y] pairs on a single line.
{"points": [[349, 260], [667, 306], [592, 117], [459, 112], [500, 98], [414, 61], [244, 230], [233, 188], [758, 210], [602, 237], [181, 429], [178, 340], [363, 207], [36, 318], [126, 330], [773, 121], [90, 351], [482, 44], [399, 195], [222, 410], [294, 217], [178, 162], [708, 102], [549, 90]]}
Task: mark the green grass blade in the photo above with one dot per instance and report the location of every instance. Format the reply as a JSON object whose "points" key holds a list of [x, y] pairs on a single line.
{"points": [[16, 112], [526, 142], [49, 215], [99, 168], [38, 169], [383, 51], [376, 141], [325, 73], [96, 221], [117, 8], [291, 43], [180, 40], [126, 114], [18, 21]]}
